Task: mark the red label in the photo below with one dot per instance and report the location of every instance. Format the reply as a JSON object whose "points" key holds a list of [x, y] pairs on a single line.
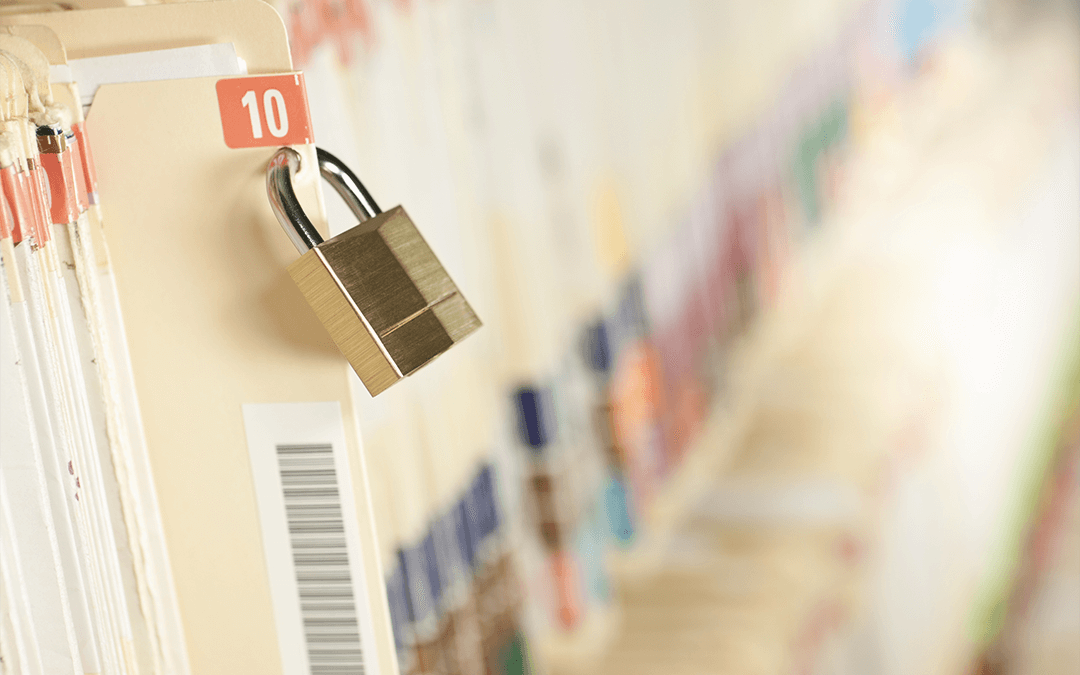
{"points": [[16, 201], [566, 588], [63, 202], [265, 110], [7, 219], [87, 161], [312, 22]]}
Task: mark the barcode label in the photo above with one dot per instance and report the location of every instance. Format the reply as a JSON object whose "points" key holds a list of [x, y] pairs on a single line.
{"points": [[311, 538], [321, 557]]}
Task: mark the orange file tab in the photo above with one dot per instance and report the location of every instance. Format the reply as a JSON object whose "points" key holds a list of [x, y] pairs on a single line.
{"points": [[265, 110]]}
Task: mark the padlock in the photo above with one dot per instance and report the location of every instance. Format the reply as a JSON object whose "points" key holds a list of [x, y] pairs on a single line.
{"points": [[385, 299]]}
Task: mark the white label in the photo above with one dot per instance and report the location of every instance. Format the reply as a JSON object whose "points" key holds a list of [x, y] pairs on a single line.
{"points": [[215, 60], [311, 537]]}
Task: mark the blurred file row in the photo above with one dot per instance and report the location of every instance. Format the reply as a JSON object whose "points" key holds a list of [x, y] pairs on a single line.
{"points": [[627, 191], [614, 268]]}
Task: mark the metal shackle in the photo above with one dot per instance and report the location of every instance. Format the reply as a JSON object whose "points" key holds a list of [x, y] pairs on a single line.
{"points": [[286, 206]]}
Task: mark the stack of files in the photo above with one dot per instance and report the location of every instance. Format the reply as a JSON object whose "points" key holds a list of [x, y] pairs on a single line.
{"points": [[85, 576], [183, 489]]}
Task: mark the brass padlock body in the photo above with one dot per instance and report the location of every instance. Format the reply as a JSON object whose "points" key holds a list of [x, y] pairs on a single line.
{"points": [[384, 297]]}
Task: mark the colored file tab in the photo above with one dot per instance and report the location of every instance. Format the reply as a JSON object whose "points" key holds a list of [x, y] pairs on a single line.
{"points": [[263, 111]]}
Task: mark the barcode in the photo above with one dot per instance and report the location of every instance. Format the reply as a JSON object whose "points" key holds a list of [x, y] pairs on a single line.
{"points": [[321, 558]]}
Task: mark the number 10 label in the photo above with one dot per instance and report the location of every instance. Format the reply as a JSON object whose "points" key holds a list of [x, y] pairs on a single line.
{"points": [[264, 110]]}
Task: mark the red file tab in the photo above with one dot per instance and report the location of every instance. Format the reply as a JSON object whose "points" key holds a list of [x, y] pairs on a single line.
{"points": [[7, 218], [64, 202], [14, 187], [88, 180], [264, 110]]}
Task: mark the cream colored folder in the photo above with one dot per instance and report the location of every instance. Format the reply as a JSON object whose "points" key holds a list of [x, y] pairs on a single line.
{"points": [[212, 320]]}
